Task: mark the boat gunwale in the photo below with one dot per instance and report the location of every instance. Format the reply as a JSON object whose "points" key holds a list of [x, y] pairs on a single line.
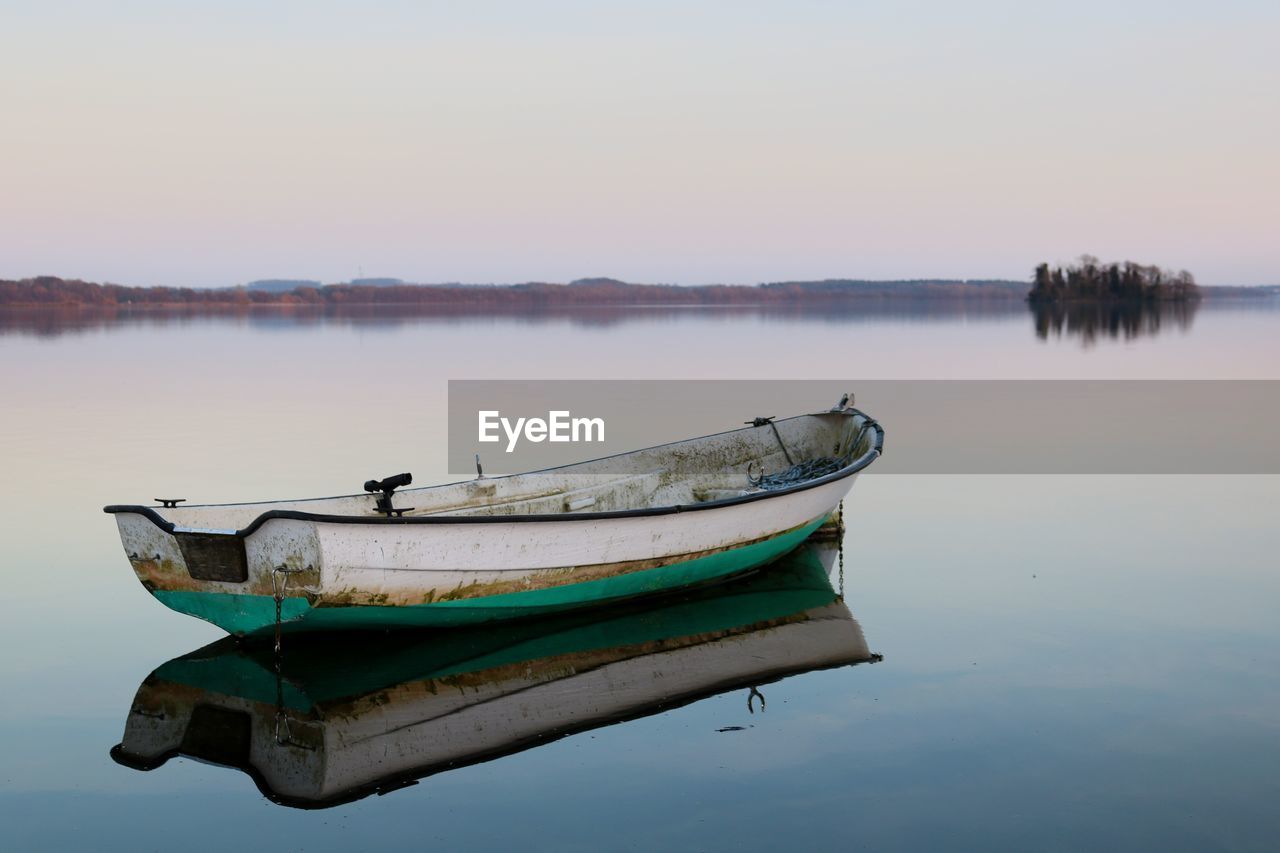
{"points": [[853, 467]]}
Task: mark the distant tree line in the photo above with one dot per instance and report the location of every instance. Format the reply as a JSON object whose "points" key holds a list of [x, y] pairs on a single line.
{"points": [[914, 288], [1086, 280], [1090, 280], [49, 290]]}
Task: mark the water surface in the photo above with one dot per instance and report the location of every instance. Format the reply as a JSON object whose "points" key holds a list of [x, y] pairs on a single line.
{"points": [[1067, 661]]}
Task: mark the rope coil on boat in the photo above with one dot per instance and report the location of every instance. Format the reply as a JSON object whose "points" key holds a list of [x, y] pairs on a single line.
{"points": [[810, 469]]}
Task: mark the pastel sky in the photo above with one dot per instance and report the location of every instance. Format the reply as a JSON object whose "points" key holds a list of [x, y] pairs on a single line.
{"points": [[215, 143]]}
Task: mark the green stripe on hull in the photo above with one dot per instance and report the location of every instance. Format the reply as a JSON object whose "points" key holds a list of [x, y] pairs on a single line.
{"points": [[252, 614], [323, 672]]}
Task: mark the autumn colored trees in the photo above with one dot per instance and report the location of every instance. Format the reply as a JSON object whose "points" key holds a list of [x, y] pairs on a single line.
{"points": [[48, 290]]}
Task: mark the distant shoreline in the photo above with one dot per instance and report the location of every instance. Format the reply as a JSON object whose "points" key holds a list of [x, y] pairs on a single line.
{"points": [[52, 291]]}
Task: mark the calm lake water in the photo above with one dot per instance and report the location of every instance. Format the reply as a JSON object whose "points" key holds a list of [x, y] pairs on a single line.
{"points": [[1068, 661]]}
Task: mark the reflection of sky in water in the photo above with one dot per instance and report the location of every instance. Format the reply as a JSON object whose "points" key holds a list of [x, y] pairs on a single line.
{"points": [[1068, 660]]}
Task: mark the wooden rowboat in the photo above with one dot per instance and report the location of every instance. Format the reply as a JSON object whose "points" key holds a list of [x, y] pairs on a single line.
{"points": [[340, 717], [491, 548]]}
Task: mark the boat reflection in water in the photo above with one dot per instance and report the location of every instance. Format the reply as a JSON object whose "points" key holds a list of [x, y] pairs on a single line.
{"points": [[336, 719]]}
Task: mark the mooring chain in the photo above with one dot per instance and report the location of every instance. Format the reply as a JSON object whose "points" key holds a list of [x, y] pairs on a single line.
{"points": [[279, 584], [282, 721], [840, 530], [279, 663]]}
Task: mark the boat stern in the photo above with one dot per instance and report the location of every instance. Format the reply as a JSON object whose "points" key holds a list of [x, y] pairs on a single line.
{"points": [[226, 577]]}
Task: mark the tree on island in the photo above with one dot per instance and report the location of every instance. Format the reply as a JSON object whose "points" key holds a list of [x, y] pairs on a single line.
{"points": [[1090, 280]]}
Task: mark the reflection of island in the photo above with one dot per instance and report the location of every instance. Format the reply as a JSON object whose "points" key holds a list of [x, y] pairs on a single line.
{"points": [[340, 719], [1127, 320], [1130, 300]]}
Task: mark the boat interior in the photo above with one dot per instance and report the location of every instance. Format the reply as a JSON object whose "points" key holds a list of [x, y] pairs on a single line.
{"points": [[766, 456]]}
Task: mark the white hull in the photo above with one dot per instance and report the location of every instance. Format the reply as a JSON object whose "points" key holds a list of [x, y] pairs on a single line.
{"points": [[678, 504]]}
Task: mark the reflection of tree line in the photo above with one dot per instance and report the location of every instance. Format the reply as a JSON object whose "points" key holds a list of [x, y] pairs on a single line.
{"points": [[52, 320], [1112, 319]]}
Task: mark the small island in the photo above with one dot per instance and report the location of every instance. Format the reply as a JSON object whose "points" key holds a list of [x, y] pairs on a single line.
{"points": [[1090, 300], [1091, 281]]}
